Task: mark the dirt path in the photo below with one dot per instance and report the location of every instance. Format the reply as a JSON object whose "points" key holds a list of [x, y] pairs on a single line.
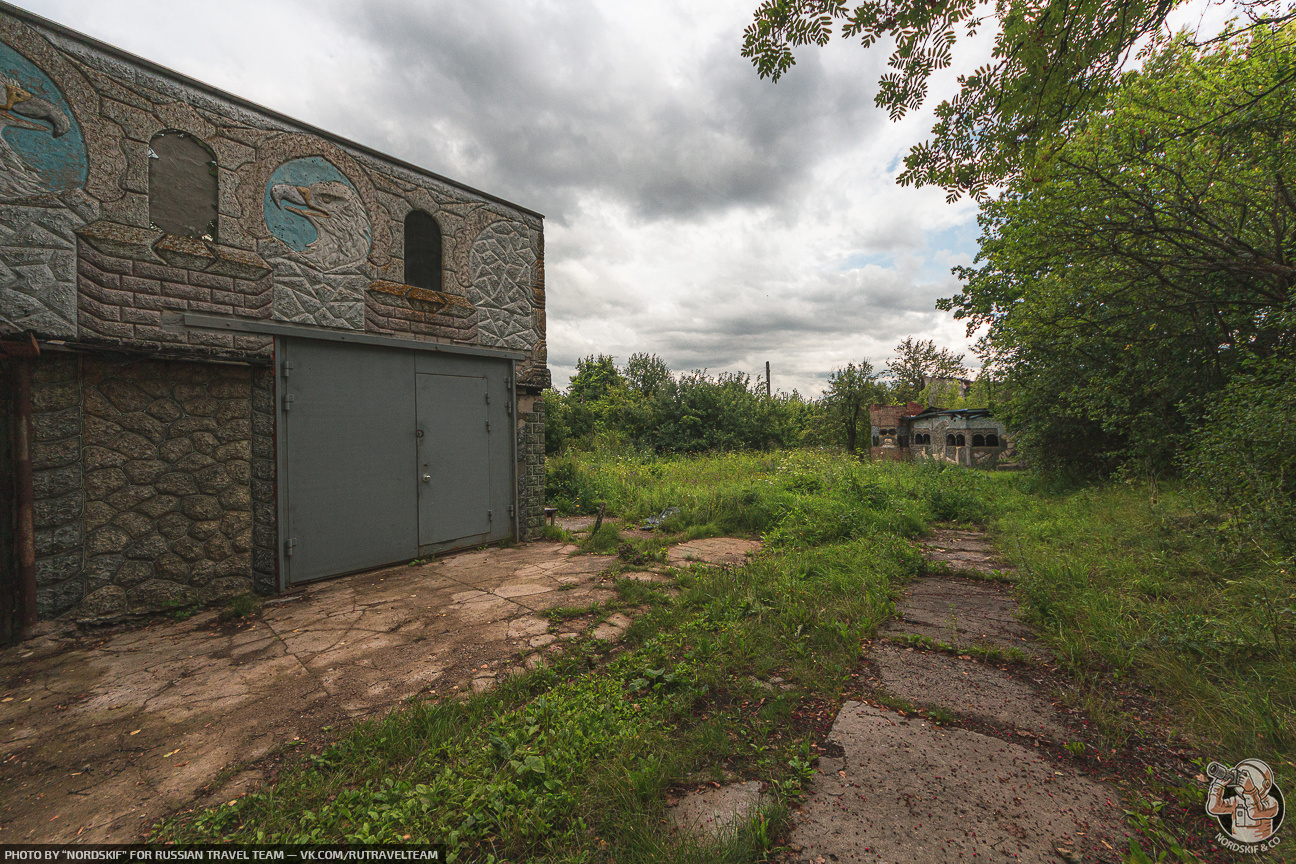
{"points": [[981, 774]]}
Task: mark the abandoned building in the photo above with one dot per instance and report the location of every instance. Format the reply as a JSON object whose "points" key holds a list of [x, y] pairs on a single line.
{"points": [[241, 353], [964, 436]]}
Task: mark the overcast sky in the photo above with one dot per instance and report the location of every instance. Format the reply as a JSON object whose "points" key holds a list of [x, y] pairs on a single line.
{"points": [[692, 209]]}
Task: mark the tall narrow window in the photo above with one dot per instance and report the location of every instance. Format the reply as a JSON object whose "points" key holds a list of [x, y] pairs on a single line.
{"points": [[960, 441], [422, 251], [182, 185], [978, 440], [992, 440], [949, 440]]}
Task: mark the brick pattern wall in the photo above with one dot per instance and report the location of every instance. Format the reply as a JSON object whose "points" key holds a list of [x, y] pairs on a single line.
{"points": [[139, 303], [56, 469], [167, 457], [265, 538], [398, 316], [531, 465]]}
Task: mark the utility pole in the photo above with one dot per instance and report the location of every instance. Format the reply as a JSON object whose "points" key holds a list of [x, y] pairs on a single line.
{"points": [[767, 384]]}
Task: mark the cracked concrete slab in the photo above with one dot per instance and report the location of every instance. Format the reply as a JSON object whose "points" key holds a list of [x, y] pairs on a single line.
{"points": [[933, 679], [962, 613], [713, 550], [914, 792], [104, 732]]}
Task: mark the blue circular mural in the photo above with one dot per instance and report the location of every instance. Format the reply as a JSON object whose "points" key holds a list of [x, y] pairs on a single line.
{"points": [[313, 208], [42, 149]]}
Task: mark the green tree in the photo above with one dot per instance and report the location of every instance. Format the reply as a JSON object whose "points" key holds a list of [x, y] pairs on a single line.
{"points": [[850, 391], [595, 377], [1131, 282], [1052, 61], [916, 360], [645, 373]]}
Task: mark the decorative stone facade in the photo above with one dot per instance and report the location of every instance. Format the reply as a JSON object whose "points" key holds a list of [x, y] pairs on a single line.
{"points": [[264, 518], [167, 455], [57, 480], [531, 472], [155, 390]]}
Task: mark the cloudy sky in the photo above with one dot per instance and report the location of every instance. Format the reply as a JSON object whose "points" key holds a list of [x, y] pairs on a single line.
{"points": [[692, 209]]}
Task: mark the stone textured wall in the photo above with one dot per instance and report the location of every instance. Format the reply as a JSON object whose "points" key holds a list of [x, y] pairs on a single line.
{"points": [[503, 272], [139, 302], [167, 456], [271, 256], [38, 265], [56, 475], [531, 468], [265, 538]]}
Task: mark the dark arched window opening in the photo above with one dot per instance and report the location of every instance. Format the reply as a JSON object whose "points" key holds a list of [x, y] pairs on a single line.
{"points": [[959, 441], [978, 441], [422, 251], [182, 185], [949, 440], [877, 442], [992, 440]]}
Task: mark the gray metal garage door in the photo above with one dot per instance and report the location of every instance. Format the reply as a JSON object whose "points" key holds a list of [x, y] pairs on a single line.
{"points": [[387, 454]]}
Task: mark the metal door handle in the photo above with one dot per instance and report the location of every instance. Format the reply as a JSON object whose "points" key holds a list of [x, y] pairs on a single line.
{"points": [[427, 478]]}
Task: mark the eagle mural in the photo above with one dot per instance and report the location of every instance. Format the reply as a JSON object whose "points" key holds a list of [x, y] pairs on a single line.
{"points": [[22, 110], [338, 216], [320, 248]]}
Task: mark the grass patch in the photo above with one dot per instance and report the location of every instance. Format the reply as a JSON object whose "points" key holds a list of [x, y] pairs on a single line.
{"points": [[572, 762], [1143, 586]]}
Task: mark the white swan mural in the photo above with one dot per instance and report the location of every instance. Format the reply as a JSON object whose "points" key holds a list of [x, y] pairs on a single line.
{"points": [[22, 110]]}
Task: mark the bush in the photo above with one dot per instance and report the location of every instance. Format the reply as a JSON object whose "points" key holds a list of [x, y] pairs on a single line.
{"points": [[1243, 456]]}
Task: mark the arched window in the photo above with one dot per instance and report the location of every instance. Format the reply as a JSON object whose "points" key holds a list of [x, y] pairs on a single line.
{"points": [[877, 442], [992, 440], [978, 441], [959, 441], [182, 185], [949, 440], [422, 251]]}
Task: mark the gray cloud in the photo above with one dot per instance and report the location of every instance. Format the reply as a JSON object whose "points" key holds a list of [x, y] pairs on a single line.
{"points": [[539, 103]]}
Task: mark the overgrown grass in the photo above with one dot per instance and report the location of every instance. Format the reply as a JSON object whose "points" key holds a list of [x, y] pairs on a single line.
{"points": [[572, 762], [1146, 585]]}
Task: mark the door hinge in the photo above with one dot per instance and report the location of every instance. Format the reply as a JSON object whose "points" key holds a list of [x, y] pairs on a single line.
{"points": [[289, 545], [288, 366], [509, 407], [487, 398], [288, 400], [487, 425], [490, 515], [510, 511]]}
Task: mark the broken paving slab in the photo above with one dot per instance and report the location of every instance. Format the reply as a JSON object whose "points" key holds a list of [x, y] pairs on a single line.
{"points": [[613, 628], [913, 792], [963, 613], [715, 811], [713, 550], [965, 687]]}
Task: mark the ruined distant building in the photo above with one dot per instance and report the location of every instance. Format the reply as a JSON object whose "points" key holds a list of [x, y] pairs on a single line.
{"points": [[238, 352], [964, 436]]}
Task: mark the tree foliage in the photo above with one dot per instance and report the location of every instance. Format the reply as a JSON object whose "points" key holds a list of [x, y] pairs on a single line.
{"points": [[1052, 61], [1131, 282], [915, 361], [850, 391]]}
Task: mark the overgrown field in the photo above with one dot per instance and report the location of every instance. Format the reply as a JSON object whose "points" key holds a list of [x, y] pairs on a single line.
{"points": [[573, 762]]}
